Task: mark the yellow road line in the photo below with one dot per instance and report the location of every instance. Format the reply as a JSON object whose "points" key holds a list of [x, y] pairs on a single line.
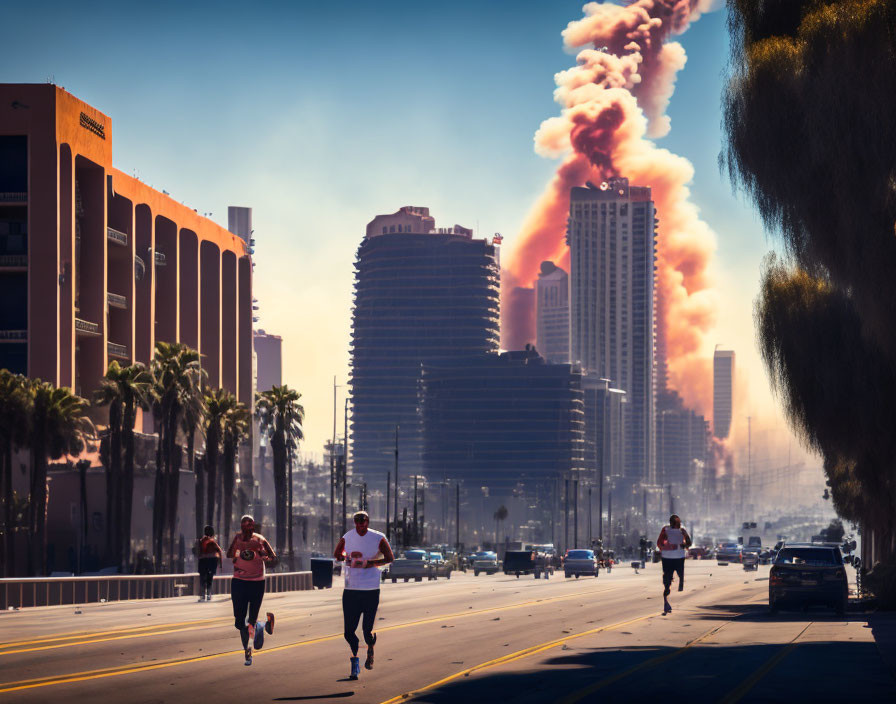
{"points": [[535, 649], [744, 687], [88, 634], [646, 665], [526, 652], [129, 669]]}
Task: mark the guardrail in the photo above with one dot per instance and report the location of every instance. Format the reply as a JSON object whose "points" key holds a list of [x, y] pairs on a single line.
{"points": [[55, 591]]}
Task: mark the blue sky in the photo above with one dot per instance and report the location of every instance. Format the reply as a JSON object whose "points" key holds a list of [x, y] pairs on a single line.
{"points": [[320, 116]]}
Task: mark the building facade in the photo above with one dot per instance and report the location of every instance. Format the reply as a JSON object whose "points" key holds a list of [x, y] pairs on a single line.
{"points": [[421, 294], [682, 444], [605, 411], [612, 307], [497, 421], [95, 265], [722, 392], [552, 314]]}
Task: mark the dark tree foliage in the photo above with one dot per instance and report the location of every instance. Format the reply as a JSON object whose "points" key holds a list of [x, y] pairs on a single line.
{"points": [[808, 112]]}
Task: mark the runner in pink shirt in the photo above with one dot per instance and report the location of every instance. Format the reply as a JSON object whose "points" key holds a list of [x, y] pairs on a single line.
{"points": [[250, 552]]}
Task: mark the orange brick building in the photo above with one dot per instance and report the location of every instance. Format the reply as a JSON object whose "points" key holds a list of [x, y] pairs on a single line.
{"points": [[95, 265]]}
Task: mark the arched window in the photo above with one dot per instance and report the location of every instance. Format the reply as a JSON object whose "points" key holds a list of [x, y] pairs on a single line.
{"points": [[392, 229], [385, 230]]}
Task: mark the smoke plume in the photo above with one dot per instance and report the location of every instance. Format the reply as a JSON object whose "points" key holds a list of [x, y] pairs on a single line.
{"points": [[614, 101]]}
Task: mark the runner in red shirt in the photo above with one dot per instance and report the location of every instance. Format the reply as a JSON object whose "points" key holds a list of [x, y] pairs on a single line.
{"points": [[673, 543], [250, 552], [209, 560]]}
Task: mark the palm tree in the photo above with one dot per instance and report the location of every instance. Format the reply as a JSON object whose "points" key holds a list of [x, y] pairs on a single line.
{"points": [[58, 426], [281, 416], [217, 403], [124, 390], [193, 419], [14, 411], [177, 378], [236, 428]]}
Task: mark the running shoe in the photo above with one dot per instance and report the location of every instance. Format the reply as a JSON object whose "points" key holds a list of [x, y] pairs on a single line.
{"points": [[248, 657], [666, 607], [269, 624], [259, 635], [356, 668]]}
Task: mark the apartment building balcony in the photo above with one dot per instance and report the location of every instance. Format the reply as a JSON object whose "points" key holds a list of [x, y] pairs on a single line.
{"points": [[116, 300], [160, 258], [13, 261], [118, 351], [13, 335], [13, 198], [86, 328], [117, 236], [139, 268]]}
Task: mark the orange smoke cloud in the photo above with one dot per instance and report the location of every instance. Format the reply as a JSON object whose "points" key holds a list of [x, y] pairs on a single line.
{"points": [[614, 101]]}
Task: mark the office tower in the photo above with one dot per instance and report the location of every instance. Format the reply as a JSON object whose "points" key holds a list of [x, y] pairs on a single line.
{"points": [[722, 392], [239, 222], [269, 356], [552, 314], [605, 410], [421, 294], [612, 316], [95, 265], [498, 421], [682, 437]]}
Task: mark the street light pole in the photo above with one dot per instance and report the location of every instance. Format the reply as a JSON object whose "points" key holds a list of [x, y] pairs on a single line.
{"points": [[344, 463], [395, 495], [333, 471]]}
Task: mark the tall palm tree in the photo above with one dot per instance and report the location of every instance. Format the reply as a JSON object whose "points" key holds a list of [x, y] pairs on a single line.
{"points": [[236, 428], [281, 416], [124, 390], [14, 412], [500, 516], [218, 403], [177, 378], [58, 426], [192, 421]]}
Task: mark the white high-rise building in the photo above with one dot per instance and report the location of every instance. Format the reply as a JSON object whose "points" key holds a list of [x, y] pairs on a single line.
{"points": [[722, 392], [552, 314], [612, 309]]}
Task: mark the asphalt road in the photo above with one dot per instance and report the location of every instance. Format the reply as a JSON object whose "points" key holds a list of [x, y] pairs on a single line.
{"points": [[468, 639]]}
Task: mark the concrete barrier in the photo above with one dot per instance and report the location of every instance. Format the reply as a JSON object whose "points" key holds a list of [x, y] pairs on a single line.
{"points": [[53, 591]]}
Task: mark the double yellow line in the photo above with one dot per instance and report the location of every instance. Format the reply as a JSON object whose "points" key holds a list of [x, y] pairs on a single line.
{"points": [[130, 669]]}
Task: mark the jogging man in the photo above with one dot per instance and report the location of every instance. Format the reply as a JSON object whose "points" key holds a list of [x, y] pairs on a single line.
{"points": [[364, 551], [673, 543], [209, 559], [250, 552]]}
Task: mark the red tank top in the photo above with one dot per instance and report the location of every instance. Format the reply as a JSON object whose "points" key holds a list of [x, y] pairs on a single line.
{"points": [[249, 563], [208, 547]]}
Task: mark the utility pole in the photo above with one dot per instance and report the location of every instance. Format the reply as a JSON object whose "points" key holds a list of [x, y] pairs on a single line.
{"points": [[566, 517], [590, 524], [344, 464], [750, 456], [416, 528], [575, 513], [457, 518], [388, 502], [333, 472], [395, 495], [610, 518]]}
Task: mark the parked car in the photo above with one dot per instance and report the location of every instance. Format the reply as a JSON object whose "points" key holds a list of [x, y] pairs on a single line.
{"points": [[697, 553], [729, 552], [486, 561], [580, 562], [414, 564], [804, 574], [442, 567], [750, 560]]}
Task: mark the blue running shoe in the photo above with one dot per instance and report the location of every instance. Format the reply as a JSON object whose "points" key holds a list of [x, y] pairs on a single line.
{"points": [[356, 669], [259, 635], [248, 657]]}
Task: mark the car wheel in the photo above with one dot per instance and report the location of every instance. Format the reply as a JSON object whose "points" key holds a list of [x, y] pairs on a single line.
{"points": [[394, 580], [475, 573], [577, 575], [406, 580], [566, 574], [448, 576], [418, 579]]}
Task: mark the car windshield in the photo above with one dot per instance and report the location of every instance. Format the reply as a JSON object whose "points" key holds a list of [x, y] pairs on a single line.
{"points": [[436, 555], [415, 555], [580, 554], [814, 557], [730, 546]]}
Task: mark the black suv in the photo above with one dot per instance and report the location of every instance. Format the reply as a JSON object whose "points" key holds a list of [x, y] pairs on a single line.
{"points": [[805, 574]]}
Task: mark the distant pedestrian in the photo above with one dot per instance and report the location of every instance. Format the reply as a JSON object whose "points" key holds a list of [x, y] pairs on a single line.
{"points": [[210, 554], [364, 551], [673, 543], [250, 552]]}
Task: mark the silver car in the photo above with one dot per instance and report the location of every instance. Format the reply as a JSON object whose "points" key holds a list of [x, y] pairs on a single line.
{"points": [[580, 562]]}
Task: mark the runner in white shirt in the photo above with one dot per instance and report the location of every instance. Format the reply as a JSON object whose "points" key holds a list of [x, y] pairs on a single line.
{"points": [[673, 543], [361, 596]]}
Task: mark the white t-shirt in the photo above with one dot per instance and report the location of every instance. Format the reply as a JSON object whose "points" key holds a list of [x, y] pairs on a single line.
{"points": [[676, 537], [362, 547]]}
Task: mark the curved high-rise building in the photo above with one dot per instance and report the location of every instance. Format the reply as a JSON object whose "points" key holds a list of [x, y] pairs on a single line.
{"points": [[421, 293]]}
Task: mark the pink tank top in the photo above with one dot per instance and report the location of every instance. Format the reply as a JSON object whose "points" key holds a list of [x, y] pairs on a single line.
{"points": [[249, 564]]}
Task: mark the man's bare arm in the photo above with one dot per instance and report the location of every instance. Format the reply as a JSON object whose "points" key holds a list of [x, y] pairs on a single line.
{"points": [[339, 553], [387, 557]]}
